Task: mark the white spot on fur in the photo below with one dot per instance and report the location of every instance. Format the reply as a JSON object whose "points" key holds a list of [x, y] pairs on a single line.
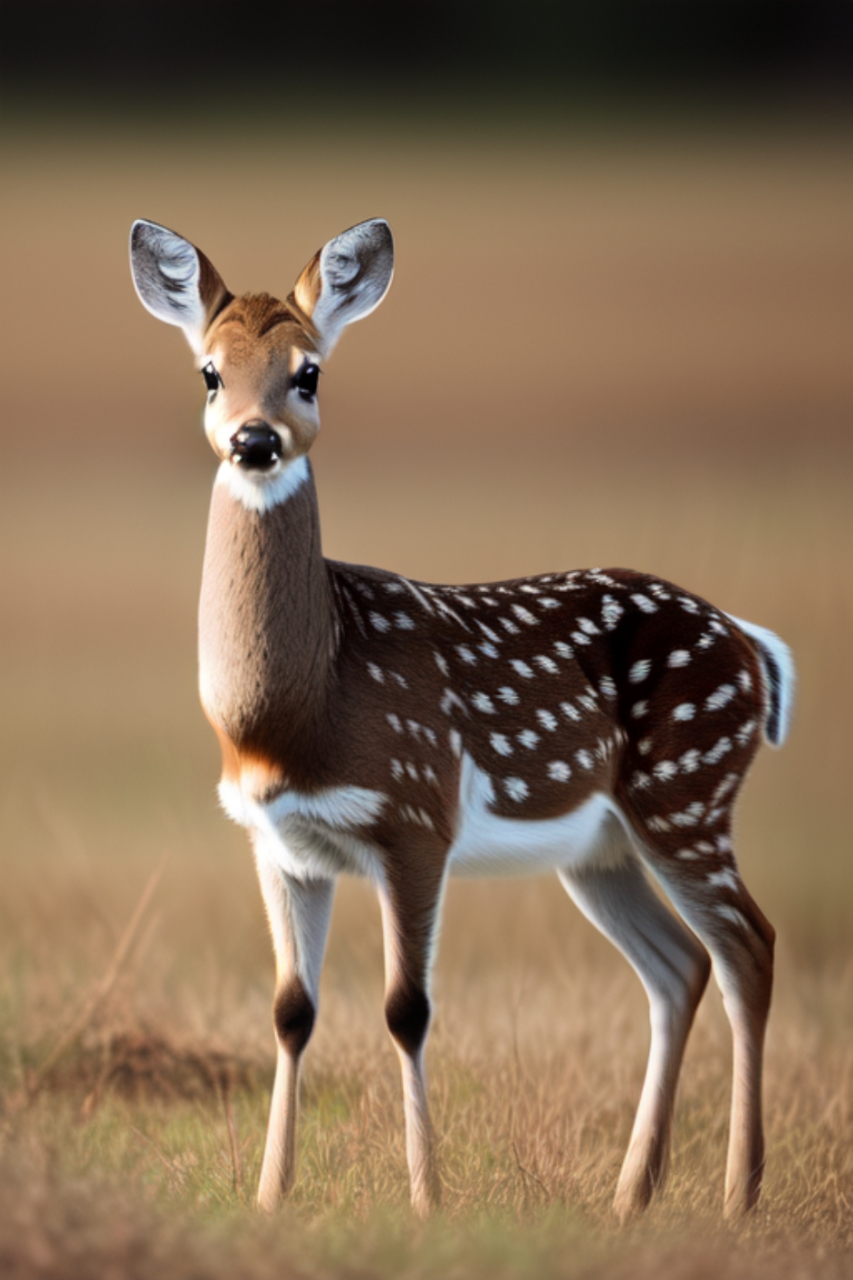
{"points": [[563, 650], [450, 700], [466, 655], [547, 719], [508, 695], [521, 668], [488, 650], [664, 770], [395, 722], [501, 744], [379, 622], [643, 603], [441, 663], [720, 697], [731, 913], [528, 738], [644, 746], [725, 879], [547, 664], [516, 788], [607, 687], [455, 739], [403, 622], [483, 703], [584, 759], [720, 748], [640, 709], [559, 771], [684, 711], [690, 761], [570, 712], [678, 658], [640, 671], [611, 612], [524, 615], [376, 672], [724, 787], [488, 632]]}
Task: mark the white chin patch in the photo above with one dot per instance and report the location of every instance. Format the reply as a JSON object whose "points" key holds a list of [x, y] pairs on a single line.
{"points": [[260, 491]]}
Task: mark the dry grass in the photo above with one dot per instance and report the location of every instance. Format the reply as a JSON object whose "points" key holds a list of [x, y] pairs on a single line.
{"points": [[642, 363]]}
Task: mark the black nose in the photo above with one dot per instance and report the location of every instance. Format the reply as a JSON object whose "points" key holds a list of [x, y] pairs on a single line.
{"points": [[255, 446]]}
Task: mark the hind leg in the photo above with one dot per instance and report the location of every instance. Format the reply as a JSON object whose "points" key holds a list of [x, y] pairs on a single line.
{"points": [[673, 968], [716, 904]]}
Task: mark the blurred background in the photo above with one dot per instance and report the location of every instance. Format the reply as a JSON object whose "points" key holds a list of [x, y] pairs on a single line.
{"points": [[619, 334]]}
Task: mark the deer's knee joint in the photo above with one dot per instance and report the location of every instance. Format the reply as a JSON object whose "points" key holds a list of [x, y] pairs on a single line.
{"points": [[407, 1012], [293, 1015]]}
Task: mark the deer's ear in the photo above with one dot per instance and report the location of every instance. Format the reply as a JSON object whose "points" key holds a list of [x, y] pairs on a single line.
{"points": [[347, 279], [174, 280]]}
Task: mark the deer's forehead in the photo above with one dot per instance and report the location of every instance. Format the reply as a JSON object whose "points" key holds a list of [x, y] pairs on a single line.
{"points": [[258, 329]]}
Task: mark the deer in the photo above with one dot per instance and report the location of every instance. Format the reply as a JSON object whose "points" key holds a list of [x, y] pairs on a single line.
{"points": [[598, 723]]}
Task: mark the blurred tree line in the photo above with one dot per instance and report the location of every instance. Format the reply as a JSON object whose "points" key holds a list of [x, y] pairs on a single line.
{"points": [[563, 48]]}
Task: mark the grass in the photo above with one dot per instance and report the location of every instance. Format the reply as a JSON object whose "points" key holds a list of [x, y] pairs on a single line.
{"points": [[135, 1064]]}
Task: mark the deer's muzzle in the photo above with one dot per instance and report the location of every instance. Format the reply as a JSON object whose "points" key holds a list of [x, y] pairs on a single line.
{"points": [[256, 447]]}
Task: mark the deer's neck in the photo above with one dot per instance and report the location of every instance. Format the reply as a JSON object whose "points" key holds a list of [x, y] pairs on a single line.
{"points": [[266, 624]]}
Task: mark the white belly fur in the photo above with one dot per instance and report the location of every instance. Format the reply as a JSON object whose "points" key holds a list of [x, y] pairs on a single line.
{"points": [[488, 845], [310, 837]]}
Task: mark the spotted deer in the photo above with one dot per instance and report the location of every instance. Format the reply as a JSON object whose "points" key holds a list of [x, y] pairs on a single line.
{"points": [[598, 723]]}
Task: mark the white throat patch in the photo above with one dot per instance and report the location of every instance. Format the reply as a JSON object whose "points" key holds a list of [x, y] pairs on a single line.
{"points": [[260, 491]]}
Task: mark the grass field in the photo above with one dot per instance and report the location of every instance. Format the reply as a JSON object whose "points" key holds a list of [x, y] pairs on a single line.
{"points": [[593, 353]]}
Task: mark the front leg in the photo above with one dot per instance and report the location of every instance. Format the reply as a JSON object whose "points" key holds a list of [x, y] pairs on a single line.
{"points": [[410, 897], [298, 913]]}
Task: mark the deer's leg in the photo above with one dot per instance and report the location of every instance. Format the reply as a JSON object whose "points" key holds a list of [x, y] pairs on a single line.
{"points": [[299, 913], [411, 904], [718, 907], [673, 968]]}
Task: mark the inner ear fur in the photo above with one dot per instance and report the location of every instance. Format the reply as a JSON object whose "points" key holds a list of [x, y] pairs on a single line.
{"points": [[346, 279], [175, 280]]}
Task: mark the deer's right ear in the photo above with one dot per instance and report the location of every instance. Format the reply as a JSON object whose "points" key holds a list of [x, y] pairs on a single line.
{"points": [[175, 281], [347, 279]]}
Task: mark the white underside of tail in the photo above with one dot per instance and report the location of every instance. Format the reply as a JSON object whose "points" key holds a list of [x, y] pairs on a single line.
{"points": [[781, 688]]}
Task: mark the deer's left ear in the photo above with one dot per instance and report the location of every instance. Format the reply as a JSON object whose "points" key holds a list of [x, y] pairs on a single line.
{"points": [[347, 279], [175, 281]]}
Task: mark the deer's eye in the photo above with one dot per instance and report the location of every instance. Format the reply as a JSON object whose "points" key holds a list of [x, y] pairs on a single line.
{"points": [[305, 381], [212, 380]]}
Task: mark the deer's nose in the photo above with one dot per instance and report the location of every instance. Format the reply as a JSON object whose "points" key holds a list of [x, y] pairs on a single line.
{"points": [[255, 446]]}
